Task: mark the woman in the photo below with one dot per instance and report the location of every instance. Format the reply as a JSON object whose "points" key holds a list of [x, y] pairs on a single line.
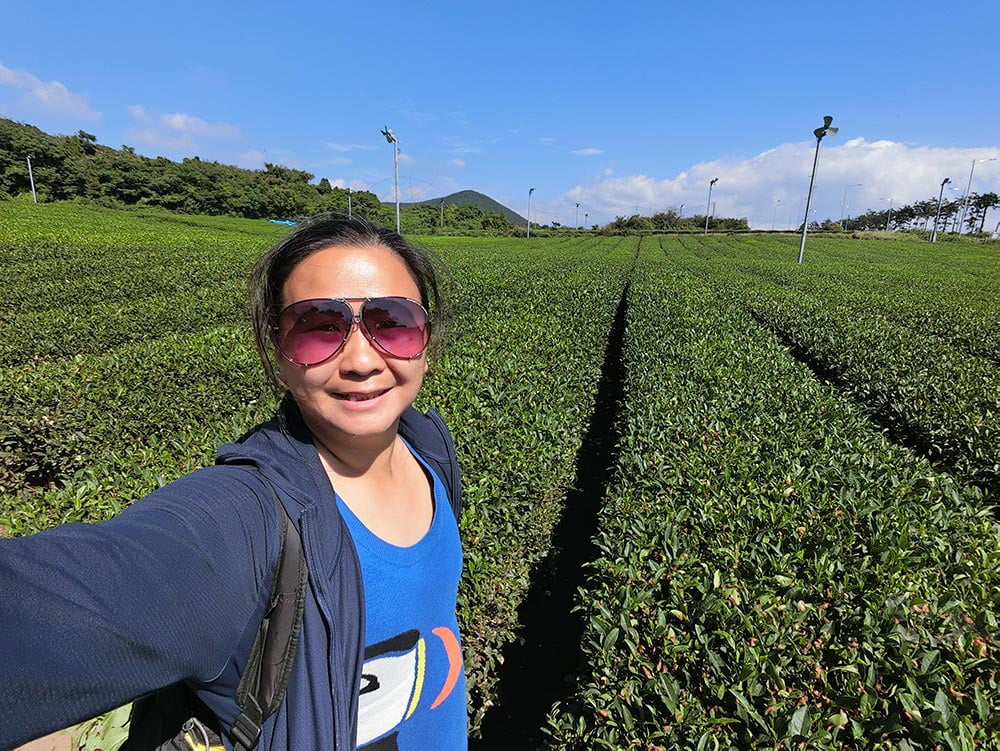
{"points": [[173, 589]]}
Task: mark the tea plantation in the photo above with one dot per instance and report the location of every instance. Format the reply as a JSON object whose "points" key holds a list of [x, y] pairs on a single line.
{"points": [[791, 538]]}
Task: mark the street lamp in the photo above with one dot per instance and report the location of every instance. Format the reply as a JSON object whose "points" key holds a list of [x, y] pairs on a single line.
{"points": [[938, 214], [965, 201], [350, 214], [578, 215], [843, 205], [681, 212], [530, 191], [888, 218], [775, 213], [708, 208], [391, 138], [824, 130], [31, 177], [586, 217]]}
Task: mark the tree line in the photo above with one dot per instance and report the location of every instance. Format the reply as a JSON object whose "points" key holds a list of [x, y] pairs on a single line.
{"points": [[77, 167], [920, 216], [672, 221]]}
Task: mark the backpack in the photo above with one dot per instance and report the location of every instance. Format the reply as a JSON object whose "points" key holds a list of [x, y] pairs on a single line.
{"points": [[174, 719]]}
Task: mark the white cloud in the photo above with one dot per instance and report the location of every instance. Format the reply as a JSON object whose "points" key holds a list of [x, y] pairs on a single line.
{"points": [[177, 131], [195, 126], [254, 159], [753, 186], [406, 158], [341, 182], [161, 140], [52, 96], [138, 112], [456, 163], [546, 141], [587, 152]]}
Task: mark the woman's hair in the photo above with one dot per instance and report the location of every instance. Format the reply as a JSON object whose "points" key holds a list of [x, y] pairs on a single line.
{"points": [[267, 280]]}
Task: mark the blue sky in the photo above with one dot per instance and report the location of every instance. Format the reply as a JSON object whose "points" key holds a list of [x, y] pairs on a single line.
{"points": [[621, 107]]}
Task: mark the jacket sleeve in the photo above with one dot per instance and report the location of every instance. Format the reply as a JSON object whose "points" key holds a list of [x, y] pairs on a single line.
{"points": [[94, 615]]}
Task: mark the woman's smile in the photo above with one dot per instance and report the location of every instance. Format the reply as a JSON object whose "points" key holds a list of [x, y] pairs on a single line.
{"points": [[357, 396]]}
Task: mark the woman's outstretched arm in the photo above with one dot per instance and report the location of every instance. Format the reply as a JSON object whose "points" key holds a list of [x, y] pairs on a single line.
{"points": [[94, 615]]}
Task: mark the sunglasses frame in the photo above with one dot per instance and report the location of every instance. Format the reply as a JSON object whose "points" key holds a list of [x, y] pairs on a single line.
{"points": [[357, 322]]}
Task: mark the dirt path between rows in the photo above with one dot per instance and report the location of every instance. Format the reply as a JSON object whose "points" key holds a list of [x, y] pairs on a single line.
{"points": [[61, 741]]}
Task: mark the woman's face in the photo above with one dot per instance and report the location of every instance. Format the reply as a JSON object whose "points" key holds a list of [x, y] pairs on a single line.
{"points": [[357, 396]]}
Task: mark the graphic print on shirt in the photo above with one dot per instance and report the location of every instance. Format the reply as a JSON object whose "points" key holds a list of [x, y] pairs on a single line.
{"points": [[392, 683]]}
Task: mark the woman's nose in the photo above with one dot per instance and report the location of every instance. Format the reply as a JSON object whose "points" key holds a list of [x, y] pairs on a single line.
{"points": [[360, 355]]}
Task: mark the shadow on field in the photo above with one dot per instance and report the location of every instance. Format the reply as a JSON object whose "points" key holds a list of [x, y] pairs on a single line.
{"points": [[539, 669]]}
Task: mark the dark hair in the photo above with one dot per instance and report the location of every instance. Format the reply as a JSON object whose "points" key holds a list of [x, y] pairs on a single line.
{"points": [[267, 280]]}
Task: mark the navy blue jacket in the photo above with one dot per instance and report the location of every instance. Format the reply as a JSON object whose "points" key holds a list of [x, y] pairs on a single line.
{"points": [[172, 589]]}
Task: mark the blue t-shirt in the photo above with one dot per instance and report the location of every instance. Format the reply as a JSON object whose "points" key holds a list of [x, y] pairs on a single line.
{"points": [[413, 679]]}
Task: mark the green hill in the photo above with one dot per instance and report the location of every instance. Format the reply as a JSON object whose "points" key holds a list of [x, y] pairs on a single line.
{"points": [[473, 198]]}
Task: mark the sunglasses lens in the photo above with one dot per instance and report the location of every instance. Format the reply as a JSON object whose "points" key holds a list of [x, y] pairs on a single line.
{"points": [[312, 331], [396, 325]]}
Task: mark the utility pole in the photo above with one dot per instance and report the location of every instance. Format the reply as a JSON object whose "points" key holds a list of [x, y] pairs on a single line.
{"points": [[820, 132], [938, 214], [530, 191], [965, 201], [31, 177], [708, 208], [391, 138], [843, 205]]}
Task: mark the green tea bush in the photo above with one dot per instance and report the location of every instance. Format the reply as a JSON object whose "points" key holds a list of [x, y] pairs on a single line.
{"points": [[773, 573]]}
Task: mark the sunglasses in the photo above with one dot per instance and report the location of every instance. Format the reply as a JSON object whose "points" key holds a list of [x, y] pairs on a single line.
{"points": [[312, 331]]}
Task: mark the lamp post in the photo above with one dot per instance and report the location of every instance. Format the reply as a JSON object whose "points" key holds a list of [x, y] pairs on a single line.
{"points": [[843, 204], [442, 214], [31, 177], [391, 138], [708, 208], [888, 218], [937, 215], [965, 201], [578, 215], [681, 212], [350, 214], [824, 130], [775, 213], [530, 191], [586, 217]]}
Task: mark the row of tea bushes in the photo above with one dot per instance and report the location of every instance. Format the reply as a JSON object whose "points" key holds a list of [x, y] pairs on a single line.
{"points": [[516, 385], [772, 573], [939, 391], [80, 282]]}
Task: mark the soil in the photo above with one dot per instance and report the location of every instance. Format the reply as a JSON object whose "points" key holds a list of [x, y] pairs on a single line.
{"points": [[61, 741]]}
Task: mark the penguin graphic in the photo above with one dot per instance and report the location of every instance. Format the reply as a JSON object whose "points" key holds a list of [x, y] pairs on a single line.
{"points": [[392, 680]]}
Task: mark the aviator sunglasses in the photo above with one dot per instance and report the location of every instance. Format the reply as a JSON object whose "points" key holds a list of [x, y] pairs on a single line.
{"points": [[312, 331]]}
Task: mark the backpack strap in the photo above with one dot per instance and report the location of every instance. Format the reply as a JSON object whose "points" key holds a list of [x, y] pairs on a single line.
{"points": [[265, 677]]}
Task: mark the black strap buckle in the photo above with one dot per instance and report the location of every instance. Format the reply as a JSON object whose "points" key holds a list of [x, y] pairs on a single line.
{"points": [[245, 733]]}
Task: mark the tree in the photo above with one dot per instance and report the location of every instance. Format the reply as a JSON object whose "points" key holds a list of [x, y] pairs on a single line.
{"points": [[981, 204]]}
